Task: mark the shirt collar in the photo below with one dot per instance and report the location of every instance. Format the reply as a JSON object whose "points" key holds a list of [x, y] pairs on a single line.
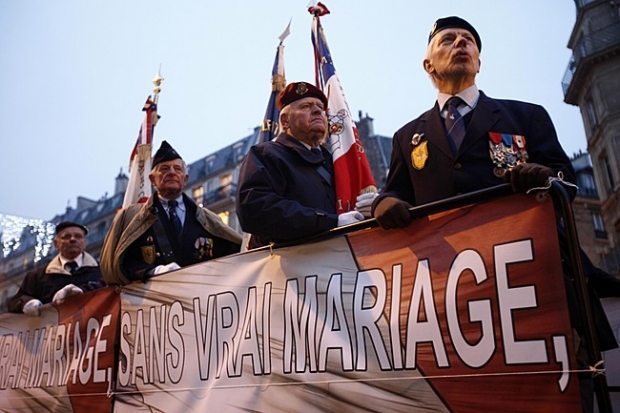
{"points": [[179, 199], [470, 97], [79, 260]]}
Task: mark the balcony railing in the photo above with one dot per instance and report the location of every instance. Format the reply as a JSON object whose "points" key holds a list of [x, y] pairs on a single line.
{"points": [[590, 45], [219, 194]]}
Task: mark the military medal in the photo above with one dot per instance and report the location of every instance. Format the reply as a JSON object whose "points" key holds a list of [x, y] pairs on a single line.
{"points": [[204, 248], [419, 155], [415, 139], [506, 151], [148, 254]]}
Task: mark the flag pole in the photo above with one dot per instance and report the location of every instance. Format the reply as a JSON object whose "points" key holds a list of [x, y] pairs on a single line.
{"points": [[138, 186], [157, 81]]}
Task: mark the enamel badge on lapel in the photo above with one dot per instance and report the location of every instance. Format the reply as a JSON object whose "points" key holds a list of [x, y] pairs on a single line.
{"points": [[419, 153], [506, 152]]}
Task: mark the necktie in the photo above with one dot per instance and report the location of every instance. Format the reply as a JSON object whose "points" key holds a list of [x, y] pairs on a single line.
{"points": [[174, 218], [72, 266], [317, 152], [455, 124]]}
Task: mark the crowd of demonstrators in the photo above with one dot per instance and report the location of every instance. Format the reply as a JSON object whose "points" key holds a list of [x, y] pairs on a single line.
{"points": [[466, 142], [286, 186], [167, 232], [71, 272]]}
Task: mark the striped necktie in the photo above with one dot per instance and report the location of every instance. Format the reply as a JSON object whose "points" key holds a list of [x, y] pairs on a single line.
{"points": [[174, 218], [455, 124]]}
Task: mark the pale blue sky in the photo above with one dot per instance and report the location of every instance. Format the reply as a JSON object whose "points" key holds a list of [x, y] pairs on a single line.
{"points": [[75, 73]]}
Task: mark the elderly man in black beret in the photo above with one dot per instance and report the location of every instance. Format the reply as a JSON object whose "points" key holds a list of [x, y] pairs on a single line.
{"points": [[71, 272], [467, 140], [167, 232], [286, 186]]}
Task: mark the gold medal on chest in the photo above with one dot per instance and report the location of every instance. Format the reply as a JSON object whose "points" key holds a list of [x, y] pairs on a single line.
{"points": [[149, 254], [419, 155]]}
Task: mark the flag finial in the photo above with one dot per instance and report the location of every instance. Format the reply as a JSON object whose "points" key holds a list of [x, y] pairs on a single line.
{"points": [[157, 83], [286, 31], [318, 10]]}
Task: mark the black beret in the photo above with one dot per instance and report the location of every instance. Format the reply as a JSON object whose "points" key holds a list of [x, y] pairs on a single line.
{"points": [[69, 224], [299, 90], [165, 153], [454, 22]]}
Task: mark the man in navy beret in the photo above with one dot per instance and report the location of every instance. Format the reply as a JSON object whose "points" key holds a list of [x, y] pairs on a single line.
{"points": [[71, 272], [468, 141], [167, 232], [286, 188]]}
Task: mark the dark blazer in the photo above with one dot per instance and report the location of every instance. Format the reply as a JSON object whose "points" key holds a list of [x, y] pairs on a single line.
{"points": [[132, 247], [446, 174], [285, 192]]}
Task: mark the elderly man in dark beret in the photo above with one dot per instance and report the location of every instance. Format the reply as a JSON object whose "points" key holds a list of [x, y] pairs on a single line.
{"points": [[467, 141], [71, 272], [167, 232], [286, 187]]}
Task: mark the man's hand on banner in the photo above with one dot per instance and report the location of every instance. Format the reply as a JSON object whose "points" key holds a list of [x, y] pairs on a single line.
{"points": [[363, 203], [528, 175], [160, 269], [392, 212], [66, 292], [349, 218], [32, 308]]}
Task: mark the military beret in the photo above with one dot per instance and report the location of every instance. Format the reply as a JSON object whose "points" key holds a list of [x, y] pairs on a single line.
{"points": [[299, 90], [454, 22], [68, 224], [165, 153]]}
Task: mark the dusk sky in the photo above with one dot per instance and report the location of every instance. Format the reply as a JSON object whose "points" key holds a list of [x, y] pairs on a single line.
{"points": [[75, 74]]}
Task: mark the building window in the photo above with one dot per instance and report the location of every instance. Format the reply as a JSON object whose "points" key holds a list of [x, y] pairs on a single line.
{"points": [[599, 225], [608, 177], [197, 194], [587, 186], [210, 161], [591, 110], [238, 152], [225, 180]]}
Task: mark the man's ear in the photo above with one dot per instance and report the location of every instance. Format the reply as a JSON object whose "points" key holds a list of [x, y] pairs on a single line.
{"points": [[284, 120], [151, 178], [428, 66]]}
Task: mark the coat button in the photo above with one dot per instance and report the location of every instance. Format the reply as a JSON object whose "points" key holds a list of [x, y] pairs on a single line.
{"points": [[457, 166]]}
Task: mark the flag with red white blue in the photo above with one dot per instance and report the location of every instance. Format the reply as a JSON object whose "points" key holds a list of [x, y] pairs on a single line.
{"points": [[352, 173]]}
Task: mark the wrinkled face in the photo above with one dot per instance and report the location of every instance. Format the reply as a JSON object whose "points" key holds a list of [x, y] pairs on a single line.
{"points": [[169, 178], [306, 120], [70, 242], [453, 54]]}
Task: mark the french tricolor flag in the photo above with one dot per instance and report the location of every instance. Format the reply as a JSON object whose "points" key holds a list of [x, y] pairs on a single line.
{"points": [[139, 185], [351, 168]]}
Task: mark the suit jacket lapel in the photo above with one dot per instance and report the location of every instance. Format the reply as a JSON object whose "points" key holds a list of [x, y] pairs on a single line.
{"points": [[434, 130], [485, 115]]}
